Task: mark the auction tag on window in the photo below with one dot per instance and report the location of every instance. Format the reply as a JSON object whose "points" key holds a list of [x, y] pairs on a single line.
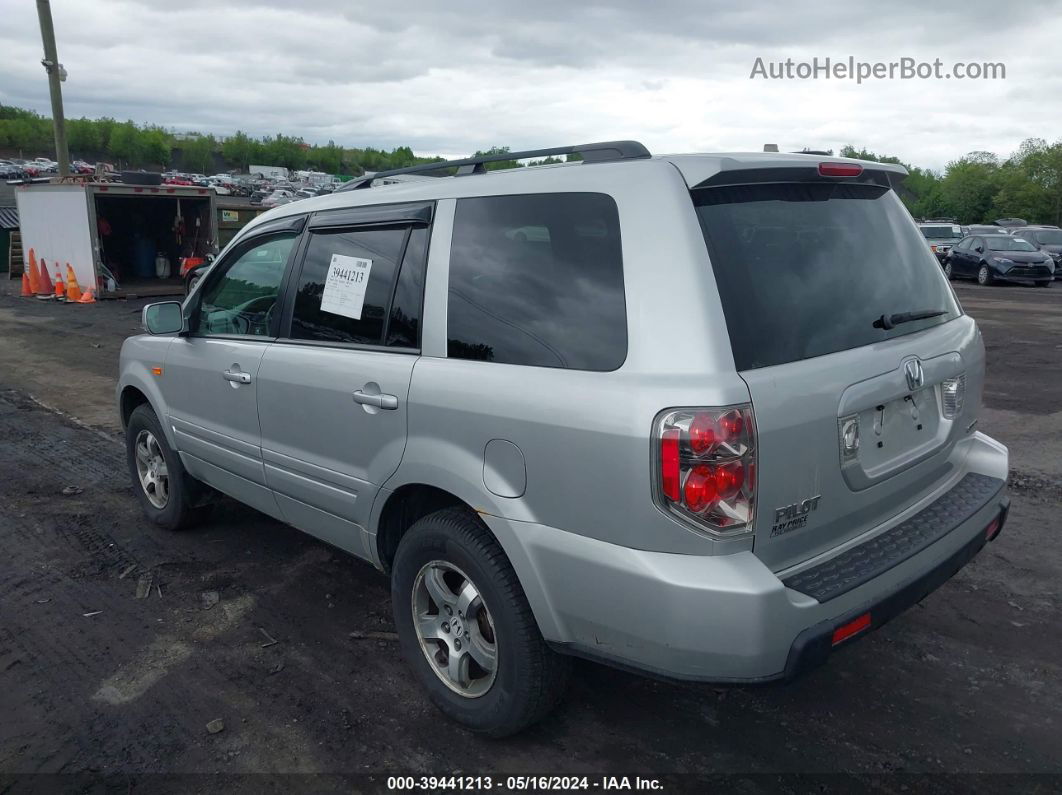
{"points": [[344, 289]]}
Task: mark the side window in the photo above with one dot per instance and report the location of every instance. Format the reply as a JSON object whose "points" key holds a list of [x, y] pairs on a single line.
{"points": [[243, 299], [346, 285], [977, 242], [538, 280]]}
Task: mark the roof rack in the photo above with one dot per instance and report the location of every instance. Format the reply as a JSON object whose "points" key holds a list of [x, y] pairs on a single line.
{"points": [[591, 153]]}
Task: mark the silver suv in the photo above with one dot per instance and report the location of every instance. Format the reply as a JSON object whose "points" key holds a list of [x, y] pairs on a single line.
{"points": [[710, 417]]}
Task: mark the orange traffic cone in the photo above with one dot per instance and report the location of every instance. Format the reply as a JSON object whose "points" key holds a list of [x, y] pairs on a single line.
{"points": [[34, 280], [73, 292], [60, 290], [44, 283], [27, 291], [86, 297]]}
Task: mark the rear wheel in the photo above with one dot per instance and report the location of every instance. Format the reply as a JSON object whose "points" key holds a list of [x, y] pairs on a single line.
{"points": [[947, 269], [1043, 284], [984, 276], [467, 630]]}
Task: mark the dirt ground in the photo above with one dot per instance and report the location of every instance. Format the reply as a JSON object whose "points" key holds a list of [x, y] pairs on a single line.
{"points": [[113, 659]]}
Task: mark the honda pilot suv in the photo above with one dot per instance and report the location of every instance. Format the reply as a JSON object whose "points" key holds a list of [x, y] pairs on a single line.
{"points": [[710, 417]]}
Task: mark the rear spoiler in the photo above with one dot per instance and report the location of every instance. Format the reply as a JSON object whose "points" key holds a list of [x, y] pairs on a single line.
{"points": [[881, 177]]}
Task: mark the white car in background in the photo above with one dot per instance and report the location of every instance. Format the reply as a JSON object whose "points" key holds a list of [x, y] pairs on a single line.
{"points": [[220, 188], [277, 198]]}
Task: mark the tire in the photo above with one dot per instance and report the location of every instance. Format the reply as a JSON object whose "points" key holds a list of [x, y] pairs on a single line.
{"points": [[179, 509], [191, 280], [984, 276], [1043, 284], [528, 678], [947, 270]]}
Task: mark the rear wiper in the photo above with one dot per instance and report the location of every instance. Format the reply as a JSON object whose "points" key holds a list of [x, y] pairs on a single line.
{"points": [[892, 321]]}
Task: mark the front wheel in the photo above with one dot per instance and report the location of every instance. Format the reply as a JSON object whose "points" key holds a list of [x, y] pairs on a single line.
{"points": [[165, 491], [984, 276], [466, 628]]}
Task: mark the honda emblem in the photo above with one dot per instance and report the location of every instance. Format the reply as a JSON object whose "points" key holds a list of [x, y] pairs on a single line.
{"points": [[912, 368]]}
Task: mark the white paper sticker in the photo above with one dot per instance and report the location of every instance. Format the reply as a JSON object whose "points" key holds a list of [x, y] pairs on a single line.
{"points": [[344, 290]]}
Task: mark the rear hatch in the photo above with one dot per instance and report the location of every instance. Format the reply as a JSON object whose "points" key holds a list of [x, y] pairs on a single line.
{"points": [[844, 327]]}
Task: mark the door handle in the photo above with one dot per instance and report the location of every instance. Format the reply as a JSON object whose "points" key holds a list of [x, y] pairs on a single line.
{"points": [[387, 402], [239, 378]]}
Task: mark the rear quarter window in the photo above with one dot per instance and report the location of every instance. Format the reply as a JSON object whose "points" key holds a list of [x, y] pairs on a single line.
{"points": [[537, 280]]}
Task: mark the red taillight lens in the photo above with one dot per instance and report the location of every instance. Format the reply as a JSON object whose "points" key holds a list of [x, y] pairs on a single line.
{"points": [[729, 478], [993, 529], [840, 170], [706, 465], [731, 426], [670, 472], [700, 489], [702, 433]]}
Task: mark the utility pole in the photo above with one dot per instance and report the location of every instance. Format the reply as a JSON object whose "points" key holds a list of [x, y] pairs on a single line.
{"points": [[56, 74]]}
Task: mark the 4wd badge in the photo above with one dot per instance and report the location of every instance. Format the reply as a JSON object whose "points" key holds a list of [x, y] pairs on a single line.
{"points": [[793, 517]]}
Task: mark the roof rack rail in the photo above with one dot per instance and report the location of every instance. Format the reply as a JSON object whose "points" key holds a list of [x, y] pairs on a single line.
{"points": [[591, 153]]}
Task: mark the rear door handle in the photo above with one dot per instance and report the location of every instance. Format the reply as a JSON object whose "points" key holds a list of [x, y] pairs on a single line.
{"points": [[387, 402], [239, 378]]}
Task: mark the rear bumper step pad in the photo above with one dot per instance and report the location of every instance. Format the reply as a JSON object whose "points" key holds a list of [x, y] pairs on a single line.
{"points": [[863, 563]]}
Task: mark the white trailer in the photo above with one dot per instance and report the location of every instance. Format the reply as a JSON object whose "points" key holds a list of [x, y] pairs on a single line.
{"points": [[124, 227], [269, 172]]}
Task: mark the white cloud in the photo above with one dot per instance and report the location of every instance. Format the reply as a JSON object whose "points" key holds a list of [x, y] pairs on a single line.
{"points": [[452, 78]]}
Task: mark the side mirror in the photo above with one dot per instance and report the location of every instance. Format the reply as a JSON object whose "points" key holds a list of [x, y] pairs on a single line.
{"points": [[165, 317], [980, 250]]}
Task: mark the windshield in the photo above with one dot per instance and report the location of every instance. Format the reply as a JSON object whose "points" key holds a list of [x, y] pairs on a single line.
{"points": [[805, 269], [1009, 244], [1047, 237], [941, 232]]}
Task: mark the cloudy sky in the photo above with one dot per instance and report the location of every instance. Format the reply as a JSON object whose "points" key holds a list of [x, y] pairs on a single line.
{"points": [[449, 78]]}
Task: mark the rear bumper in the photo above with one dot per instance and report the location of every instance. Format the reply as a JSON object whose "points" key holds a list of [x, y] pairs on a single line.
{"points": [[728, 618]]}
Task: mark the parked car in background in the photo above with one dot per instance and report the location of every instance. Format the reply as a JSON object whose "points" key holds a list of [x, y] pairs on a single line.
{"points": [[82, 167], [278, 197], [999, 258], [305, 193], [258, 195], [484, 441], [9, 170], [1011, 223], [220, 188], [985, 229], [178, 179], [941, 237], [1046, 238]]}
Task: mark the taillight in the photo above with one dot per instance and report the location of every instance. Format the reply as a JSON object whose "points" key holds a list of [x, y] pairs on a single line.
{"points": [[953, 396], [705, 467]]}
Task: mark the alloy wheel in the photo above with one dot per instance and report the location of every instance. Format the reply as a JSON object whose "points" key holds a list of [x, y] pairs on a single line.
{"points": [[151, 469], [455, 629]]}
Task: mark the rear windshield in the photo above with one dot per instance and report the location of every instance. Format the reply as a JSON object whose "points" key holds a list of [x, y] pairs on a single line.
{"points": [[804, 269]]}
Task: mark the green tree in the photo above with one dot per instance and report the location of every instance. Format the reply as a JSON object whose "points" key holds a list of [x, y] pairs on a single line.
{"points": [[197, 154], [83, 137], [124, 143], [155, 146], [239, 150], [969, 186]]}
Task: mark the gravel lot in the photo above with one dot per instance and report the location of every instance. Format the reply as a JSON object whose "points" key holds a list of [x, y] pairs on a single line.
{"points": [[96, 681]]}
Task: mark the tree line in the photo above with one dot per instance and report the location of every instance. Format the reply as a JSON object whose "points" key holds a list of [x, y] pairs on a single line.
{"points": [[977, 187]]}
